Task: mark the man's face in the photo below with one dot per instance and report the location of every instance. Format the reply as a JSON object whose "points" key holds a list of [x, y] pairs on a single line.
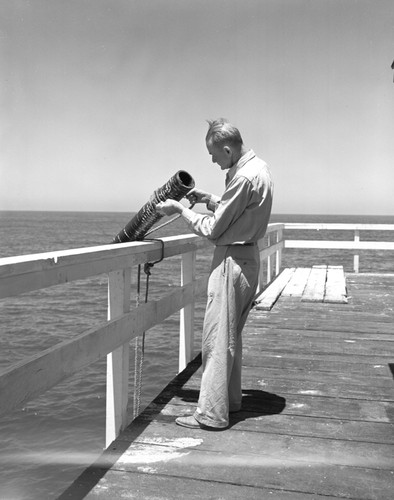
{"points": [[222, 155]]}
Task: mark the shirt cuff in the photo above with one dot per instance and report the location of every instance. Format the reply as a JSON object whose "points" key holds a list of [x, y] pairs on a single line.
{"points": [[212, 203]]}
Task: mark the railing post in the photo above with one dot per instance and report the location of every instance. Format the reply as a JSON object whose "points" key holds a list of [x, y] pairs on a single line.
{"points": [[269, 262], [279, 237], [118, 360], [356, 256], [186, 331], [260, 284]]}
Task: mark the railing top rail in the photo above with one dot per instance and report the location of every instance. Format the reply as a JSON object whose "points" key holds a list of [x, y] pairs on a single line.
{"points": [[275, 226], [26, 273], [140, 250], [339, 226]]}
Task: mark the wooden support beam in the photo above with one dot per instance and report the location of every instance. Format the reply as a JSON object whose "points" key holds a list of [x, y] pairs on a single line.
{"points": [[186, 333], [118, 360]]}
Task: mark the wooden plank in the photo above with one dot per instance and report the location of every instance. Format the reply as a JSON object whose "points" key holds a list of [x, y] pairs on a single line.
{"points": [[186, 331], [270, 295], [314, 290], [297, 283], [340, 245], [339, 226], [119, 285], [320, 361], [32, 272], [335, 285], [339, 380], [321, 345]]}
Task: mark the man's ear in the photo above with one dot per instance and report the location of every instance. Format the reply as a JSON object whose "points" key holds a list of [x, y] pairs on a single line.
{"points": [[227, 150]]}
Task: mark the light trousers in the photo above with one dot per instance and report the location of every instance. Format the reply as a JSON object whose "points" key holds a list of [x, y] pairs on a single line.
{"points": [[231, 289]]}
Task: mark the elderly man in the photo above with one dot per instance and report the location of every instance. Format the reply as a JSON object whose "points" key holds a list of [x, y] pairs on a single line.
{"points": [[239, 219]]}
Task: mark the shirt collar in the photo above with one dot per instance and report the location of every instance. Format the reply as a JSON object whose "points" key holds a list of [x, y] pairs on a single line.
{"points": [[240, 163]]}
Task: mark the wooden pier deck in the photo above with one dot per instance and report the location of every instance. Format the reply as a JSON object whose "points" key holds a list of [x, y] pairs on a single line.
{"points": [[317, 418]]}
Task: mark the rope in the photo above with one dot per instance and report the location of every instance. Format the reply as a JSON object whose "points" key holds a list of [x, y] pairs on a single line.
{"points": [[139, 347]]}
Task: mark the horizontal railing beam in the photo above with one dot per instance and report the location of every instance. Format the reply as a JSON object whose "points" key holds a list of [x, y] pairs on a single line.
{"points": [[267, 251], [339, 227], [33, 272], [273, 228], [343, 245]]}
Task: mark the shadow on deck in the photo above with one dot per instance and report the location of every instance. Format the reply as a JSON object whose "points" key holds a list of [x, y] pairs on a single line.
{"points": [[317, 418]]}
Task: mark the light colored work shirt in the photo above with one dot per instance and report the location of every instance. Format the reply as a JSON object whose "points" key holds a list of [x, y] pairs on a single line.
{"points": [[242, 214]]}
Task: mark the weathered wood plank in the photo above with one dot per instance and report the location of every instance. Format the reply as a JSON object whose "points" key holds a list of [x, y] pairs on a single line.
{"points": [[373, 365], [295, 286], [270, 295], [322, 345], [335, 285], [314, 289]]}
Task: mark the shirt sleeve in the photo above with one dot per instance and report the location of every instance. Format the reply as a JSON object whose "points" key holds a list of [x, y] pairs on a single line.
{"points": [[232, 204], [213, 203]]}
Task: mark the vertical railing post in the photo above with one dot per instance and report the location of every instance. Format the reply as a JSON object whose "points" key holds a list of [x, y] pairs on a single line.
{"points": [[260, 284], [186, 331], [356, 262], [269, 261], [278, 263], [118, 360]]}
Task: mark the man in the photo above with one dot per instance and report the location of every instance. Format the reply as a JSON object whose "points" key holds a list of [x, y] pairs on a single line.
{"points": [[239, 220]]}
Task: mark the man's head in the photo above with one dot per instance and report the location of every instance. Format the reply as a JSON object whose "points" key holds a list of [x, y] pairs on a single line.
{"points": [[224, 143]]}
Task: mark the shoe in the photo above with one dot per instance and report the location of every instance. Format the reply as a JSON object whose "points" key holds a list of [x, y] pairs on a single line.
{"points": [[189, 422]]}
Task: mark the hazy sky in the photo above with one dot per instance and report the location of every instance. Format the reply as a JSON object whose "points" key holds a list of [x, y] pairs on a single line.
{"points": [[102, 101]]}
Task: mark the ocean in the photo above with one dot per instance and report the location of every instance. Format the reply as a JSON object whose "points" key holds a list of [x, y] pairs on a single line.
{"points": [[47, 443]]}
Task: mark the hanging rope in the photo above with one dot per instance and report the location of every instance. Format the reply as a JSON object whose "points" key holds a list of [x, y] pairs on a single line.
{"points": [[139, 346]]}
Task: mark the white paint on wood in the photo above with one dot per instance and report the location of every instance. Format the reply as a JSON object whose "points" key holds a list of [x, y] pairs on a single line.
{"points": [[118, 360], [32, 272], [186, 333], [344, 245], [356, 258]]}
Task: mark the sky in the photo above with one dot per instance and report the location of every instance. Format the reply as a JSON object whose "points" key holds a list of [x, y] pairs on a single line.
{"points": [[102, 101]]}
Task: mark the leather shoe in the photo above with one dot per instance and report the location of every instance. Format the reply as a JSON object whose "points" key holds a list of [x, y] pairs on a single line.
{"points": [[189, 422]]}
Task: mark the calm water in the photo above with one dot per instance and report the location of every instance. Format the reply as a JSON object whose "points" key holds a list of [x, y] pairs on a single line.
{"points": [[48, 442]]}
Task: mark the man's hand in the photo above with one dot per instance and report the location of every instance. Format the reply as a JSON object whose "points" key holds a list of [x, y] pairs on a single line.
{"points": [[198, 196], [169, 207]]}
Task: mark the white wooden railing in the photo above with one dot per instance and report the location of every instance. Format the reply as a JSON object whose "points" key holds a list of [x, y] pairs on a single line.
{"points": [[29, 378], [25, 380], [356, 244]]}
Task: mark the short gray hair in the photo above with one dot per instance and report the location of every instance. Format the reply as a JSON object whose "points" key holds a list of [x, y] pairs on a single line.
{"points": [[222, 132]]}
